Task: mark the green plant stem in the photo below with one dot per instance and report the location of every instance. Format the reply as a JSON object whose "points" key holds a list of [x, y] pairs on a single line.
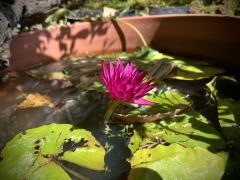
{"points": [[110, 110]]}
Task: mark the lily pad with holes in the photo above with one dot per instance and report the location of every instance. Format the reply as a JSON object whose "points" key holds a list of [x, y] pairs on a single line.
{"points": [[39, 152], [188, 128], [169, 162], [135, 141]]}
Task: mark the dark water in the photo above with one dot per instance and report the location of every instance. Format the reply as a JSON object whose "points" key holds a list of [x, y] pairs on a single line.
{"points": [[76, 101]]}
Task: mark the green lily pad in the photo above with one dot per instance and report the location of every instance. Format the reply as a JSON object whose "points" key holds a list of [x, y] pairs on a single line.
{"points": [[189, 69], [229, 118], [35, 153], [166, 99], [185, 69], [225, 90], [189, 129], [175, 161], [147, 55], [135, 141]]}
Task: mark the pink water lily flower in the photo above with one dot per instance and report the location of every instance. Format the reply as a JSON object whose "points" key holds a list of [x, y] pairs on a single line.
{"points": [[126, 83]]}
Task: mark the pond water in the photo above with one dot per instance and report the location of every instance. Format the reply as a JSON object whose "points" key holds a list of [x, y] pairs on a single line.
{"points": [[200, 103]]}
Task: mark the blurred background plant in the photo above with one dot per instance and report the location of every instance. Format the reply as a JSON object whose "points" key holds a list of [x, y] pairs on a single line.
{"points": [[230, 7], [70, 11]]}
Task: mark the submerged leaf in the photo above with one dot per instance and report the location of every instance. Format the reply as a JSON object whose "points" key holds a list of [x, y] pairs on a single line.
{"points": [[36, 100], [32, 154]]}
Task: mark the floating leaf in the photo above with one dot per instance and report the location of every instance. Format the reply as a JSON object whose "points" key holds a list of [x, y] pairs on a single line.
{"points": [[225, 89], [229, 117], [175, 161], [147, 55], [166, 99], [34, 153], [135, 141], [190, 69], [189, 129]]}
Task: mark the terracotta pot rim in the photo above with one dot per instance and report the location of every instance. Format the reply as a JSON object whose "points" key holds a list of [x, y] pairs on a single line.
{"points": [[197, 35]]}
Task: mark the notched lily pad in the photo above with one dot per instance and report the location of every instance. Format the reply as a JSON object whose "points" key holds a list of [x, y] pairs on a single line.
{"points": [[34, 154], [169, 162]]}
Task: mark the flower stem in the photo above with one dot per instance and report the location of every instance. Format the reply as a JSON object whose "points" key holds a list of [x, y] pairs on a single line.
{"points": [[110, 110]]}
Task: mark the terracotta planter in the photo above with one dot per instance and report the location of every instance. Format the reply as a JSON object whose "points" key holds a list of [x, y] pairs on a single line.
{"points": [[200, 36]]}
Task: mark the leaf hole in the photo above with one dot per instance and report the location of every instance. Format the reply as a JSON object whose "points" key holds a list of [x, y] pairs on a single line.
{"points": [[37, 148], [37, 141], [97, 145], [71, 145]]}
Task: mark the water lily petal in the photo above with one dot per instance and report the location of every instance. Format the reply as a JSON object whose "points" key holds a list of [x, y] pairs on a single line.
{"points": [[128, 69], [119, 67], [105, 70], [103, 79], [126, 83], [111, 68], [142, 101]]}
